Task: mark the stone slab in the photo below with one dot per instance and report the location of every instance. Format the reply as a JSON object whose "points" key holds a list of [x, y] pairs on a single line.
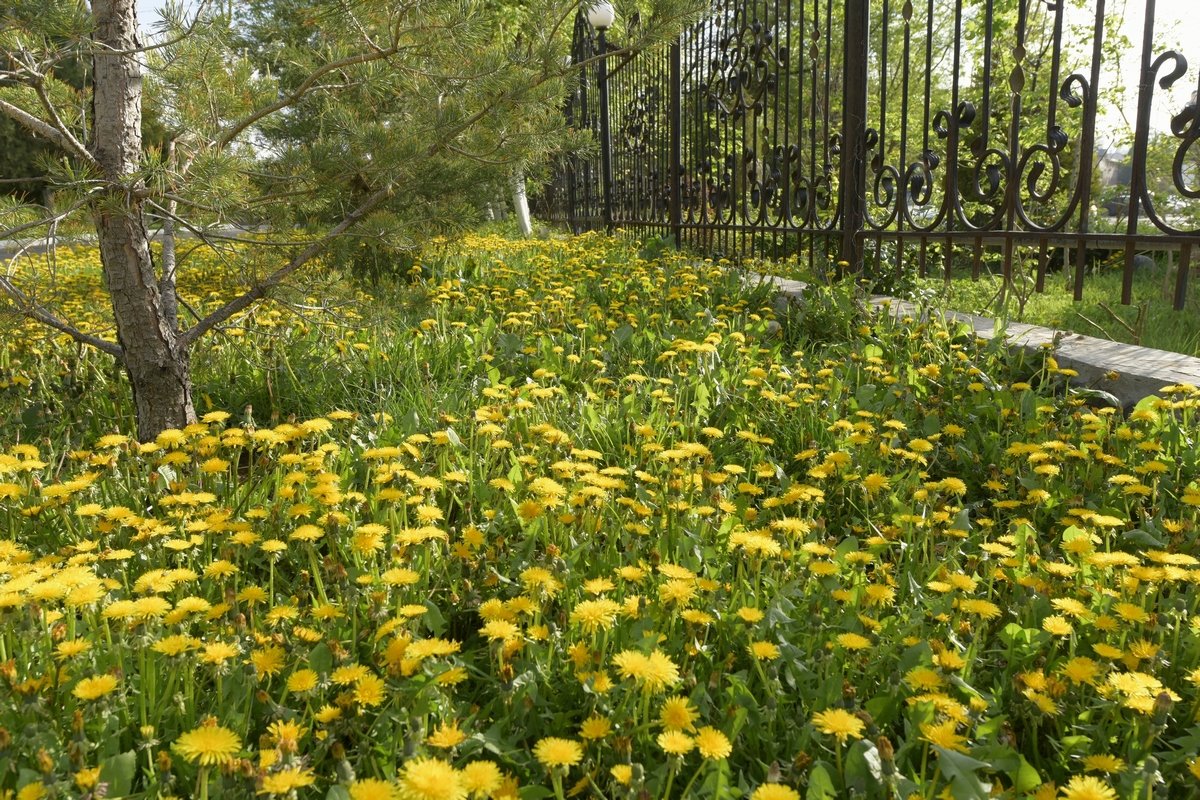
{"points": [[1127, 371]]}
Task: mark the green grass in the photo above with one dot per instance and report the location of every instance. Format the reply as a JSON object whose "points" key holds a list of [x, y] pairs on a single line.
{"points": [[553, 490], [1150, 321]]}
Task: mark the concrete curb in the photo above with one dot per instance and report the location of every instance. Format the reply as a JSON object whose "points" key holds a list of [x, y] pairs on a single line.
{"points": [[1126, 371]]}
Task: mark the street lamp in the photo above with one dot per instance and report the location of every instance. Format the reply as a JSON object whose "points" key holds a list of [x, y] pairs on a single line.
{"points": [[601, 15]]}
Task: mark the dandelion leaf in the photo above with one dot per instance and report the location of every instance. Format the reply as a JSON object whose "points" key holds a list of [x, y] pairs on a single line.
{"points": [[117, 773], [864, 769], [961, 769], [820, 784]]}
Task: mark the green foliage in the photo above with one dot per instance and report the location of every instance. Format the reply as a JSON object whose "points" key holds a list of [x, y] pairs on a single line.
{"points": [[873, 558]]}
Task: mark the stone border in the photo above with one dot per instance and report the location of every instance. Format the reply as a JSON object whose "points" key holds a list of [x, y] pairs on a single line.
{"points": [[1139, 371]]}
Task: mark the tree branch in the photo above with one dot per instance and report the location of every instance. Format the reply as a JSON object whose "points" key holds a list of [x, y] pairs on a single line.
{"points": [[28, 308], [8, 233], [72, 144], [298, 94], [46, 131], [260, 289]]}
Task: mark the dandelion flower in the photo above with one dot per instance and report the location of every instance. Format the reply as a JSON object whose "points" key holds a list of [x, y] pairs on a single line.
{"points": [[446, 735], [431, 779], [622, 774], [763, 651], [677, 714], [482, 778], [1088, 788], [839, 723], [595, 727], [1103, 763], [944, 735], [775, 791], [95, 687], [853, 641], [712, 743], [676, 743], [372, 789], [554, 752], [302, 680], [287, 780], [655, 672], [210, 745]]}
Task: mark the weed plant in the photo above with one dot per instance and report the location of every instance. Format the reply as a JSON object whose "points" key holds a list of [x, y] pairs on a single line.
{"points": [[555, 520]]}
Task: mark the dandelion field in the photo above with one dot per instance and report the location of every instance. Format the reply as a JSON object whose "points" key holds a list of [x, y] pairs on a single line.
{"points": [[557, 520]]}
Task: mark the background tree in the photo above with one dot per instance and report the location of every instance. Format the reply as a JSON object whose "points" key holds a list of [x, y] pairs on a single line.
{"points": [[378, 118]]}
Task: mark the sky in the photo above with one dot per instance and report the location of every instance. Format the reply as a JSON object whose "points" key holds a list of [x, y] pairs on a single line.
{"points": [[1179, 24]]}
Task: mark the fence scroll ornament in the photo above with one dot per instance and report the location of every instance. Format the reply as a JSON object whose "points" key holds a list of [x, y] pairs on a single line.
{"points": [[919, 135]]}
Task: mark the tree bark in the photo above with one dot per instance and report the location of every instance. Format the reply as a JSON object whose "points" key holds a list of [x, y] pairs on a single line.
{"points": [[155, 359], [521, 203]]}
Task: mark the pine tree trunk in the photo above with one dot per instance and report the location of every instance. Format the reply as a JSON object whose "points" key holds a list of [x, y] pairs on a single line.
{"points": [[155, 360]]}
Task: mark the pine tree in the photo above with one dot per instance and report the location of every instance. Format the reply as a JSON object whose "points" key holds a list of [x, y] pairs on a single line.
{"points": [[381, 118]]}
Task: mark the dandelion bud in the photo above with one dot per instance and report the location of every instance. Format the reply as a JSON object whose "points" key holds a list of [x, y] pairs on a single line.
{"points": [[5, 738], [887, 756], [162, 761], [338, 751], [44, 761], [77, 721], [1162, 708]]}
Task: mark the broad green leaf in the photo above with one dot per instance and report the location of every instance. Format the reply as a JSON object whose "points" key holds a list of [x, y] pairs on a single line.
{"points": [[321, 658], [961, 769], [820, 784], [118, 772]]}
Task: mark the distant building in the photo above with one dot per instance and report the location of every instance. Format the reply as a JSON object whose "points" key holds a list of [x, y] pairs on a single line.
{"points": [[1113, 166]]}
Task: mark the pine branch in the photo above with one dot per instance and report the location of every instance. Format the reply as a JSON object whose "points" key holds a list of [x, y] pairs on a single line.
{"points": [[8, 233], [73, 144], [260, 289], [307, 85], [47, 131], [26, 307]]}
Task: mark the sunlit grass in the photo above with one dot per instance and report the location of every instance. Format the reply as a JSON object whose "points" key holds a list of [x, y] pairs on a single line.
{"points": [[558, 520]]}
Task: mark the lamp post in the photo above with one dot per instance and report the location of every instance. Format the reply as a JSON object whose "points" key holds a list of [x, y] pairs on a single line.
{"points": [[601, 16]]}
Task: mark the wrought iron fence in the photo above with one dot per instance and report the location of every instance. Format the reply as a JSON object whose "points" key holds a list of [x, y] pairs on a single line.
{"points": [[925, 135]]}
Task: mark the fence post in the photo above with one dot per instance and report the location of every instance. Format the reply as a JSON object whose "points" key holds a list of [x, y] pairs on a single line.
{"points": [[853, 178], [605, 135], [572, 212], [676, 167], [1141, 143]]}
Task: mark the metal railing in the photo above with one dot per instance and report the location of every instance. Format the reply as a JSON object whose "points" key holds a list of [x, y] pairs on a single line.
{"points": [[926, 135]]}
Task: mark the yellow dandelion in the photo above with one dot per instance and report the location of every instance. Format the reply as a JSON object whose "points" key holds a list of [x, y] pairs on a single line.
{"points": [[712, 743], [839, 723], [676, 743], [431, 779], [554, 753], [95, 687], [209, 745], [1087, 788]]}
